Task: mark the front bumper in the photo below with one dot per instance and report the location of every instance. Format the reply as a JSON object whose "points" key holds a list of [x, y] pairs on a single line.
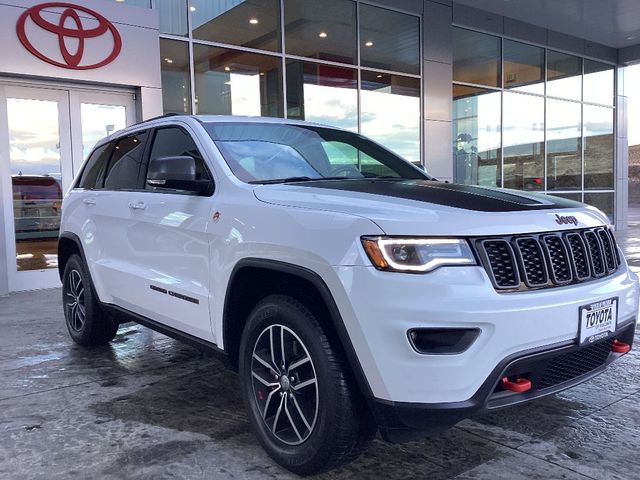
{"points": [[379, 308], [550, 370]]}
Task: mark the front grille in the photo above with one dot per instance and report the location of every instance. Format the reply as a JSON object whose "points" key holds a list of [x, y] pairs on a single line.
{"points": [[548, 260], [574, 364]]}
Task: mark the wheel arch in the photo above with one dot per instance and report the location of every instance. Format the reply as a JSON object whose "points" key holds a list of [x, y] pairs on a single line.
{"points": [[283, 278], [69, 244]]}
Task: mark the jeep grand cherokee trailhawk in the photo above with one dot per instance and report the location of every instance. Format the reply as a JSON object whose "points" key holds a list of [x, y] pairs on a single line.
{"points": [[351, 291]]}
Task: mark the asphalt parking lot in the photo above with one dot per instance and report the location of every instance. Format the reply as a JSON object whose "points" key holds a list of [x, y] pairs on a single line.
{"points": [[149, 407]]}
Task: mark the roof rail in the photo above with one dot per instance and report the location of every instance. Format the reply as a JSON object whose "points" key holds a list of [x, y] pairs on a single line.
{"points": [[163, 116]]}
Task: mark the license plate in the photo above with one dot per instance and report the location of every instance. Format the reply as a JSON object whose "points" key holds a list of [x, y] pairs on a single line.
{"points": [[598, 320]]}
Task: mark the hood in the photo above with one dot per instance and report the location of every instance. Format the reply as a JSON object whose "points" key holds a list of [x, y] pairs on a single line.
{"points": [[422, 207]]}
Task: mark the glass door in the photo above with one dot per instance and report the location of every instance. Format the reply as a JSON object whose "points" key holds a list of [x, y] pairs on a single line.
{"points": [[40, 170], [95, 115], [45, 135]]}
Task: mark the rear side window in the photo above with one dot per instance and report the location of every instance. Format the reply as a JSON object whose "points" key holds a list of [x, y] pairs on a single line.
{"points": [[93, 173], [124, 167], [174, 141]]}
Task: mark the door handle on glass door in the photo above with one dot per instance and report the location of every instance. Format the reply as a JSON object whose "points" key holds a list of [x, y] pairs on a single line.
{"points": [[89, 201], [137, 205]]}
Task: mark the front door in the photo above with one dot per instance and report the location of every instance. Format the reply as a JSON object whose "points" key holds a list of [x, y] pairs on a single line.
{"points": [[45, 135]]}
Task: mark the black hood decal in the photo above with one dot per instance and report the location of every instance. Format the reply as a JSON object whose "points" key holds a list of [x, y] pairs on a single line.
{"points": [[448, 194]]}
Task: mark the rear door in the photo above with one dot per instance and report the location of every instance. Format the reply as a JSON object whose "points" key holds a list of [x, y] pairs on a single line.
{"points": [[107, 233], [167, 243]]}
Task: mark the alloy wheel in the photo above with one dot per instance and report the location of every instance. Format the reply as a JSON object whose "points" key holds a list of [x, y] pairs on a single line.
{"points": [[75, 301], [285, 385]]}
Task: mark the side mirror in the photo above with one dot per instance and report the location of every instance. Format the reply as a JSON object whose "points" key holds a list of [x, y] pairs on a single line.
{"points": [[176, 173]]}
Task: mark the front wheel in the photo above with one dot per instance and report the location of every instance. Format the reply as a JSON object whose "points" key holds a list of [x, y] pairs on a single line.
{"points": [[298, 391], [86, 322]]}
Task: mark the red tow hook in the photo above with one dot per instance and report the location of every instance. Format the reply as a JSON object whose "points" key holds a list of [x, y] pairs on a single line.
{"points": [[620, 347], [520, 385]]}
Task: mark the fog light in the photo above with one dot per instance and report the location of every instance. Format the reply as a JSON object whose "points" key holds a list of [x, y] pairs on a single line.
{"points": [[442, 341]]}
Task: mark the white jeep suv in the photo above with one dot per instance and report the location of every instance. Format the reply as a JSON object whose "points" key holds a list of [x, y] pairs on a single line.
{"points": [[350, 290]]}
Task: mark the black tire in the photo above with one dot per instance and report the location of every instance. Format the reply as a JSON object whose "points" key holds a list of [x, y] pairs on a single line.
{"points": [[342, 426], [86, 322]]}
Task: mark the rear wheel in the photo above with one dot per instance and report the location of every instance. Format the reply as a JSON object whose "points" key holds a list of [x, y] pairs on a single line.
{"points": [[86, 322], [298, 391]]}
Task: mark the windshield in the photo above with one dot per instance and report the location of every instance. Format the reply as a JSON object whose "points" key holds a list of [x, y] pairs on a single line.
{"points": [[275, 152]]}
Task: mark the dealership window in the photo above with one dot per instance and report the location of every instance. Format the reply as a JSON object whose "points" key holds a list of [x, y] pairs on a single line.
{"points": [[603, 201], [390, 112], [235, 82], [323, 30], [523, 67], [174, 65], [389, 40], [564, 145], [477, 136], [564, 75], [598, 82], [557, 114], [476, 58], [249, 23], [598, 147], [322, 93], [241, 56], [523, 141]]}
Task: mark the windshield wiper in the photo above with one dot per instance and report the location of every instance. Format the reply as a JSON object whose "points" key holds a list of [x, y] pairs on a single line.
{"points": [[284, 180], [319, 179]]}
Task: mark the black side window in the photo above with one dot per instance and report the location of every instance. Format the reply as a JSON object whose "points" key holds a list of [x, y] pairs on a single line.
{"points": [[124, 166], [93, 172], [174, 141]]}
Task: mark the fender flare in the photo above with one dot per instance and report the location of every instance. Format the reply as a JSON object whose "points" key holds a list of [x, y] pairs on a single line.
{"points": [[327, 297]]}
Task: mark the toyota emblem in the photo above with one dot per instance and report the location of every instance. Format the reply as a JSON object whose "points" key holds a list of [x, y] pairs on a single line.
{"points": [[70, 27]]}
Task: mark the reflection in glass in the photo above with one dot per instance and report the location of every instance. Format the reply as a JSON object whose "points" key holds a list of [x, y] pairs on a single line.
{"points": [[476, 136], [598, 82], [564, 145], [99, 121], [523, 141], [564, 75], [173, 16], [603, 201], [390, 112], [323, 94], [174, 65], [34, 142], [598, 147], [233, 82], [324, 30], [248, 23], [523, 67], [389, 40], [476, 58], [576, 197]]}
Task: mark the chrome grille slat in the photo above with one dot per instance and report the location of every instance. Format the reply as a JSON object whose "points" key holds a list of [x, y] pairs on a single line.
{"points": [[553, 259]]}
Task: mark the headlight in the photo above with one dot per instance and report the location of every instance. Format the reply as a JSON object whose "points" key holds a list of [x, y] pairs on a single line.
{"points": [[417, 255]]}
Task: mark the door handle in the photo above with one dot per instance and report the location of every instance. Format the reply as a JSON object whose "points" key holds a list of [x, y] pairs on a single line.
{"points": [[89, 201], [137, 205]]}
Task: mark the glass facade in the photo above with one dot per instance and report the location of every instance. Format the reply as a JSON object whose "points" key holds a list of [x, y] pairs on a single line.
{"points": [[531, 118], [340, 62]]}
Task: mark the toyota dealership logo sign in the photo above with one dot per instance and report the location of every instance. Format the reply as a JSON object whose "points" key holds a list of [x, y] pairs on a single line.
{"points": [[69, 36]]}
